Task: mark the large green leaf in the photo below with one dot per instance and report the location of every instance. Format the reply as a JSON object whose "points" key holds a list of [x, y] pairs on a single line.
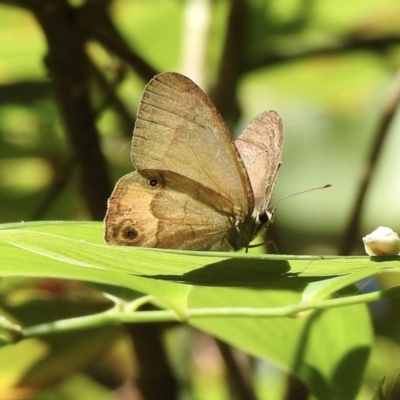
{"points": [[81, 245], [327, 349]]}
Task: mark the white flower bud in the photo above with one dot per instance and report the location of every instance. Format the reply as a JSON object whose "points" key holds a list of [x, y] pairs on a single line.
{"points": [[382, 241]]}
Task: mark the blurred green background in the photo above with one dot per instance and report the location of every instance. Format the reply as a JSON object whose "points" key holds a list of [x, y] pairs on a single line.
{"points": [[328, 68], [331, 104]]}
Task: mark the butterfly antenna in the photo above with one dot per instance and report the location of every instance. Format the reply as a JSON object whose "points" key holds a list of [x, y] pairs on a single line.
{"points": [[266, 218], [273, 205]]}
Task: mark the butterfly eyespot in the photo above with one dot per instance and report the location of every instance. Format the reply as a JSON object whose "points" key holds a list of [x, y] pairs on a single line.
{"points": [[129, 233], [153, 182]]}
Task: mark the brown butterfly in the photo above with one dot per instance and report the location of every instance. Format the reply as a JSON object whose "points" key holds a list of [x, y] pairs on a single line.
{"points": [[194, 188]]}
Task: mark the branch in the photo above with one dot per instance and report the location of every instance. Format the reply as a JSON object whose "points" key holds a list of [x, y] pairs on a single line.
{"points": [[239, 372], [67, 64], [154, 370], [224, 93]]}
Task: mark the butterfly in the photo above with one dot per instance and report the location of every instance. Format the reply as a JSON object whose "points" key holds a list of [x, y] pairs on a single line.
{"points": [[194, 188]]}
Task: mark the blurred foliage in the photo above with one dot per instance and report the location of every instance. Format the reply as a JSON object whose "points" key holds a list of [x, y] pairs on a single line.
{"points": [[297, 59]]}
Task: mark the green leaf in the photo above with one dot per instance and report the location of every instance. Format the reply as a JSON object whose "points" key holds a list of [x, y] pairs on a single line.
{"points": [[80, 245]]}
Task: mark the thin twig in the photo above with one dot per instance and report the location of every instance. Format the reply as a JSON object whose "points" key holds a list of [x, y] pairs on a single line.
{"points": [[347, 46], [350, 237], [111, 317], [111, 98], [101, 28]]}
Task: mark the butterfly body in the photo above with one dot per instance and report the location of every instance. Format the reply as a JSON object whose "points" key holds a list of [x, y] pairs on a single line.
{"points": [[192, 188]]}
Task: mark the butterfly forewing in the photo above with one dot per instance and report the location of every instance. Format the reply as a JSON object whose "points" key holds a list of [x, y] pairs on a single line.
{"points": [[178, 129]]}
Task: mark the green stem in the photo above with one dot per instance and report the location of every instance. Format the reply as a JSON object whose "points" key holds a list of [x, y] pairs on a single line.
{"points": [[114, 317]]}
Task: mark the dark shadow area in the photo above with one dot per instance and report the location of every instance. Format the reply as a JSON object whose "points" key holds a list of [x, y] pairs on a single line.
{"points": [[243, 273]]}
